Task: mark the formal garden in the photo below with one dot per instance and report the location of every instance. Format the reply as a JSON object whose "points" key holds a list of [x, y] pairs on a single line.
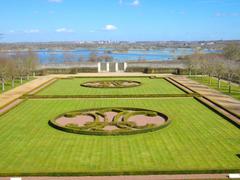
{"points": [[70, 129]]}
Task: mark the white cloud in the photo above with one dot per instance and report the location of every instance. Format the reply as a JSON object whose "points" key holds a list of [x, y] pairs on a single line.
{"points": [[55, 1], [32, 31], [129, 3], [64, 30], [110, 27], [135, 3]]}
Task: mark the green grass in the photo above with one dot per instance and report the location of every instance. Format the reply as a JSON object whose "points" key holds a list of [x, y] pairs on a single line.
{"points": [[224, 86], [8, 84], [72, 87], [197, 139]]}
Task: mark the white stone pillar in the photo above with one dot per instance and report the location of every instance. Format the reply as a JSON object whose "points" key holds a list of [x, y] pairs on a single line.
{"points": [[107, 64], [125, 66], [99, 67], [116, 66]]}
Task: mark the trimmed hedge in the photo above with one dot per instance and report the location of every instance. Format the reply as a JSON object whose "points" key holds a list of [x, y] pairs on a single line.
{"points": [[111, 96], [237, 124], [121, 173]]}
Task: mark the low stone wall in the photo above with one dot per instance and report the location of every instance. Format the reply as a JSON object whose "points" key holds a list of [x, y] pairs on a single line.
{"points": [[72, 68], [161, 67], [156, 67]]}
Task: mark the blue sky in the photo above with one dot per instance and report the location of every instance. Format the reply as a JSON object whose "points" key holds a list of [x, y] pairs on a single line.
{"points": [[132, 20]]}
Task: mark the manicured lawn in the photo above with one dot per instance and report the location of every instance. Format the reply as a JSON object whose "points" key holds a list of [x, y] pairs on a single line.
{"points": [[8, 84], [72, 87], [224, 86], [197, 139]]}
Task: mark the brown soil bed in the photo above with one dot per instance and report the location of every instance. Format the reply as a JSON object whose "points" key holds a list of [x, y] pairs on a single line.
{"points": [[142, 120], [110, 128], [78, 120], [110, 115]]}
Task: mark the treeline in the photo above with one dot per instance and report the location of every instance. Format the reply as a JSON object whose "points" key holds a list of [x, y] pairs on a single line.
{"points": [[224, 65], [17, 66], [118, 46]]}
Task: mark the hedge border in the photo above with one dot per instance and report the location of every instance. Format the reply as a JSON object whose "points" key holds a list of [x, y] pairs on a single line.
{"points": [[51, 82], [217, 112], [121, 173], [5, 112], [21, 97], [220, 106], [178, 85], [110, 96], [138, 84], [144, 76], [53, 124]]}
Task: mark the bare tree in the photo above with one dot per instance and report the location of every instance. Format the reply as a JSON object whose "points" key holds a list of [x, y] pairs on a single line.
{"points": [[3, 71], [68, 57], [232, 57], [193, 63], [12, 70], [93, 57], [80, 59], [218, 69], [232, 52], [52, 58], [30, 62]]}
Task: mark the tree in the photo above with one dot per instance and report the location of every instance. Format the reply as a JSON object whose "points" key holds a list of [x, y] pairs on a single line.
{"points": [[30, 62], [93, 57], [52, 58], [232, 52], [218, 69], [21, 70], [80, 59], [192, 62], [12, 70], [232, 57], [68, 57], [3, 71]]}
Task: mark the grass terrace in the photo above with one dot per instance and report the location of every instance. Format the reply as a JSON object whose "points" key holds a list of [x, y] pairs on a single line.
{"points": [[197, 140], [73, 87]]}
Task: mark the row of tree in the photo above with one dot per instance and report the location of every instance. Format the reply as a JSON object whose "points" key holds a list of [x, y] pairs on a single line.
{"points": [[225, 65], [17, 66]]}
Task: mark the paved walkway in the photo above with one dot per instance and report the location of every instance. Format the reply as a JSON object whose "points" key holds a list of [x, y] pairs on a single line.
{"points": [[12, 95], [223, 100]]}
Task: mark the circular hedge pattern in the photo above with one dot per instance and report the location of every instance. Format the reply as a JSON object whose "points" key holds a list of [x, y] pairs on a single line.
{"points": [[111, 84], [110, 121]]}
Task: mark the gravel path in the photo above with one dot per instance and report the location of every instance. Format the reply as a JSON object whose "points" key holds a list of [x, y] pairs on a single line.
{"points": [[225, 101]]}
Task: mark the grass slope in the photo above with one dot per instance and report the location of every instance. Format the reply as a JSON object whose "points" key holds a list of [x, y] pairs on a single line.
{"points": [[224, 86], [197, 139], [72, 87]]}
